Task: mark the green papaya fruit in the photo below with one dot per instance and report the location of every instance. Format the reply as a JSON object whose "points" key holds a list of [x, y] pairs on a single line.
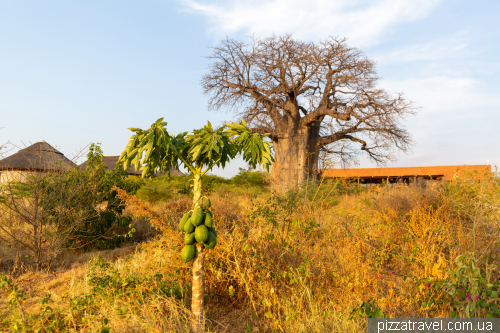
{"points": [[212, 230], [197, 217], [189, 239], [201, 234], [208, 219], [188, 226], [183, 221], [207, 203], [188, 253], [211, 241]]}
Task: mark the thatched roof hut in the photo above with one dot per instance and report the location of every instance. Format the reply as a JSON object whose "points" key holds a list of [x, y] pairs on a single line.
{"points": [[38, 157], [110, 162]]}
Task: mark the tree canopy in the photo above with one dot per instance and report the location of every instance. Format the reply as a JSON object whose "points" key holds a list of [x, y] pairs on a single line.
{"points": [[155, 150]]}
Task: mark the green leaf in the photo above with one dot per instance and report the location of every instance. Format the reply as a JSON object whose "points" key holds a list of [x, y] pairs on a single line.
{"points": [[155, 149], [148, 149]]}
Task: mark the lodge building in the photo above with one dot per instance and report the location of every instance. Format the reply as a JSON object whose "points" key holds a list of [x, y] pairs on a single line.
{"points": [[405, 175]]}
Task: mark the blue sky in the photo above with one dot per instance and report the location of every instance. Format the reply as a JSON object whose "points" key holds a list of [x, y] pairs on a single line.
{"points": [[77, 72]]}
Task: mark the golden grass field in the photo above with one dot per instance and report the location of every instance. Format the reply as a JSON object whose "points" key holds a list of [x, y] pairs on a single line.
{"points": [[315, 260]]}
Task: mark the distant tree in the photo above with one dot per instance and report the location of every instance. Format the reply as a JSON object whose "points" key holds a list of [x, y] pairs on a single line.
{"points": [[313, 99]]}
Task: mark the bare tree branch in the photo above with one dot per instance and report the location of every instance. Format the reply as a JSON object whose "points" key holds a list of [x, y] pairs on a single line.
{"points": [[311, 94]]}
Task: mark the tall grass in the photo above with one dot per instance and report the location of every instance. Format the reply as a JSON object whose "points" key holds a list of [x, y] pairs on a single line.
{"points": [[311, 260]]}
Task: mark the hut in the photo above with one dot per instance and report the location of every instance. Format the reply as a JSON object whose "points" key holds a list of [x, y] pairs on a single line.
{"points": [[110, 162], [37, 158]]}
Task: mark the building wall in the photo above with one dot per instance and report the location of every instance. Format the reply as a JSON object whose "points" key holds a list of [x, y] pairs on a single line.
{"points": [[7, 176]]}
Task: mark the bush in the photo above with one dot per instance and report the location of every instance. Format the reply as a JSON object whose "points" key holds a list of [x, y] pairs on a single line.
{"points": [[249, 178], [65, 209], [165, 188]]}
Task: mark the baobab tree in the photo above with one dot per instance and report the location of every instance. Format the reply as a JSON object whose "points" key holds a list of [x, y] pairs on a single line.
{"points": [[314, 99]]}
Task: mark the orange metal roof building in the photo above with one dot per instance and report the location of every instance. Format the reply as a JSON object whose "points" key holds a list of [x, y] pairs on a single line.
{"points": [[376, 175]]}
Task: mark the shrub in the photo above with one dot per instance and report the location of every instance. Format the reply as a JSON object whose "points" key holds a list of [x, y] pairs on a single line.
{"points": [[165, 188], [68, 209], [300, 262]]}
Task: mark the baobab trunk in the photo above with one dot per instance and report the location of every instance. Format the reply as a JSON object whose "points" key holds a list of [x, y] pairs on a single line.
{"points": [[198, 291], [296, 160]]}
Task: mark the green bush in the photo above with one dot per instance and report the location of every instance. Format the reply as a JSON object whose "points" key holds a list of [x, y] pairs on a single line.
{"points": [[468, 290], [165, 188], [100, 230], [74, 208], [250, 178]]}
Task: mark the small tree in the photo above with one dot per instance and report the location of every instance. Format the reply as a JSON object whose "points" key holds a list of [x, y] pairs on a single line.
{"points": [[45, 212], [155, 150], [39, 214]]}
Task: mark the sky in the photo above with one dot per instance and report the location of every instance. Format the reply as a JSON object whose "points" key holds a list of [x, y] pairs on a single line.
{"points": [[76, 72]]}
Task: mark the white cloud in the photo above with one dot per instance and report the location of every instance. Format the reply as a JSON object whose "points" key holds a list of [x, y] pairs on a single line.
{"points": [[362, 21], [445, 94], [435, 50], [458, 114]]}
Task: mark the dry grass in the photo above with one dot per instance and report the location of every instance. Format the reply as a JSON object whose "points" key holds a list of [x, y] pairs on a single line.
{"points": [[286, 264]]}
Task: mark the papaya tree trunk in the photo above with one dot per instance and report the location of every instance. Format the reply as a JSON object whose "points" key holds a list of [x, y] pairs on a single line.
{"points": [[198, 291], [197, 190], [197, 306]]}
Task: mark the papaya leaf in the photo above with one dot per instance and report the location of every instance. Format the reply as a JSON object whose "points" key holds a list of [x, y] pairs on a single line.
{"points": [[155, 150]]}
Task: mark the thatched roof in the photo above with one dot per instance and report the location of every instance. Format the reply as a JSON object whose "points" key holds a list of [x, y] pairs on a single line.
{"points": [[38, 157], [110, 162]]}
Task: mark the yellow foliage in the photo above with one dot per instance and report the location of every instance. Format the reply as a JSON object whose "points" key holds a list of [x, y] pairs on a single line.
{"points": [[307, 270]]}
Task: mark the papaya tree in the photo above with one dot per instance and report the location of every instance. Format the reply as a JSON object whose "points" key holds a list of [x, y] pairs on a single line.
{"points": [[155, 150]]}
